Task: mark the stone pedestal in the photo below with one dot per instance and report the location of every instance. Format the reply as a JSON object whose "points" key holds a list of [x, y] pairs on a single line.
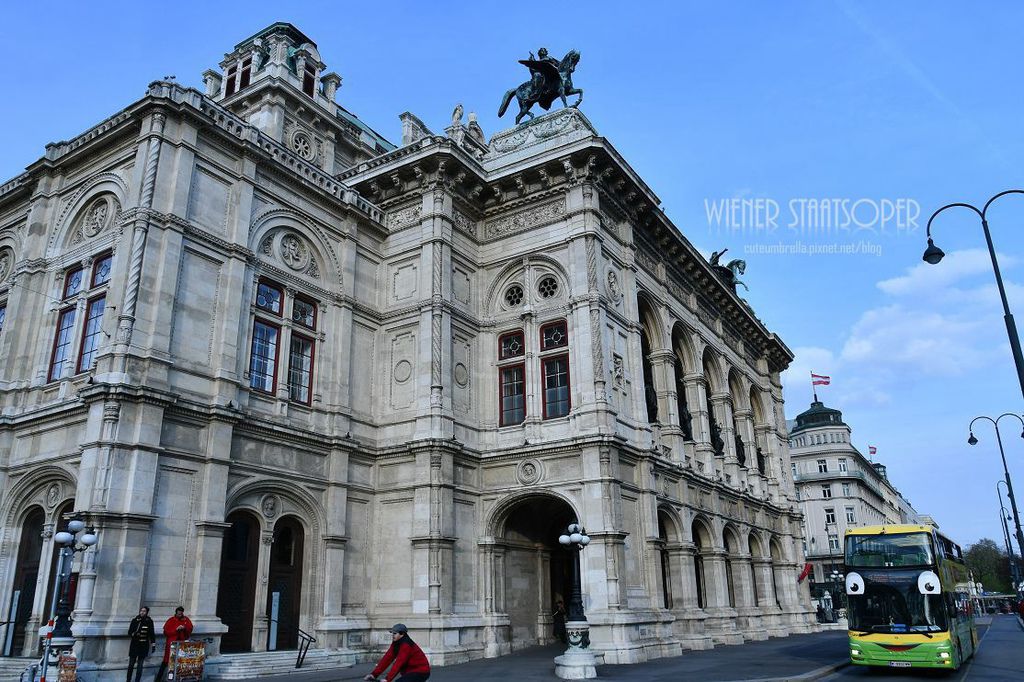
{"points": [[578, 662]]}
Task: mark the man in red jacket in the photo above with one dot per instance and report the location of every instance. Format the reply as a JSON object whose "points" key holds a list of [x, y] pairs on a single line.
{"points": [[410, 661], [178, 628]]}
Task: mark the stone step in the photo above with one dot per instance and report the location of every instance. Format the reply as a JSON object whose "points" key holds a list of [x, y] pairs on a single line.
{"points": [[261, 663], [11, 668]]}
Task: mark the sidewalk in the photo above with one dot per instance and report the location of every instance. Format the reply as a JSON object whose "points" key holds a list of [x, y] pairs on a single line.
{"points": [[781, 658]]}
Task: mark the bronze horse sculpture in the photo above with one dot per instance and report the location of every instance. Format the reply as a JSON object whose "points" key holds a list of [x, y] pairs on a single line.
{"points": [[550, 80]]}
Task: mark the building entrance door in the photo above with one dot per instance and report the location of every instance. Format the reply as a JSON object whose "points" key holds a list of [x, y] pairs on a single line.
{"points": [[284, 588], [26, 575], [537, 570], [236, 592]]}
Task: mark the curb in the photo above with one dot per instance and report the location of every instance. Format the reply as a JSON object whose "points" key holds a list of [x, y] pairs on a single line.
{"points": [[815, 674]]}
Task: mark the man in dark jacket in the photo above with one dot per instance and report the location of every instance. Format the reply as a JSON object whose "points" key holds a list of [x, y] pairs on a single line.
{"points": [[409, 660], [142, 636]]}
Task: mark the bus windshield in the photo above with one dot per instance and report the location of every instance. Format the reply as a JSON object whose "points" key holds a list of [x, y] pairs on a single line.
{"points": [[892, 603], [898, 550]]}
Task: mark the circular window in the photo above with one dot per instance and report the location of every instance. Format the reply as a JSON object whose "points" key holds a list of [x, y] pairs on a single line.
{"points": [[548, 287], [514, 295], [303, 146]]}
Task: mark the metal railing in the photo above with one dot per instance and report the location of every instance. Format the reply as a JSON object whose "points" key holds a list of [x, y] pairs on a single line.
{"points": [[305, 640]]}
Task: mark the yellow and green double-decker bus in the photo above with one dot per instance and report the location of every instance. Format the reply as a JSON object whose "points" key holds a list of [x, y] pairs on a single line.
{"points": [[908, 598]]}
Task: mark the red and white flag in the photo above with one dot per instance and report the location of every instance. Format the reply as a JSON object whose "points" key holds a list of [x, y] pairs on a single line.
{"points": [[820, 379], [872, 450]]}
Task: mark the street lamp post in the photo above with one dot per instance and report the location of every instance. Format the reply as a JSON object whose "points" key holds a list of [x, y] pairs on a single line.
{"points": [[578, 662], [1003, 516], [971, 440], [933, 254], [60, 607]]}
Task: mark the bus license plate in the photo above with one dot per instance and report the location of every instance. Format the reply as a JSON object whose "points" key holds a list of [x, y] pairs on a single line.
{"points": [[899, 664]]}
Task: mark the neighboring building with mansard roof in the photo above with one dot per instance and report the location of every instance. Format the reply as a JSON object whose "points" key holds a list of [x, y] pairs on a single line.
{"points": [[838, 488], [302, 380]]}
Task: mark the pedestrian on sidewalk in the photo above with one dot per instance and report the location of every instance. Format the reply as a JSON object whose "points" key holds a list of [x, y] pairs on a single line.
{"points": [[409, 660], [178, 628], [142, 634]]}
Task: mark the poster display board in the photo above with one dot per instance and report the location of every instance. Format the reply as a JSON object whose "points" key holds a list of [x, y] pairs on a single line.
{"points": [[67, 667], [187, 661]]}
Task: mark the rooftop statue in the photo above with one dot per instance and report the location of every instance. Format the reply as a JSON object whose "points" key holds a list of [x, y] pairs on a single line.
{"points": [[729, 272], [550, 79]]}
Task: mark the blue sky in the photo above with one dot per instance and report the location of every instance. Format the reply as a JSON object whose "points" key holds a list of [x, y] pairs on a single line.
{"points": [[781, 102]]}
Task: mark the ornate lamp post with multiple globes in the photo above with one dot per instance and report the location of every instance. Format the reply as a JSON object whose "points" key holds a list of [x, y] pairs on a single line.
{"points": [[60, 608], [578, 662]]}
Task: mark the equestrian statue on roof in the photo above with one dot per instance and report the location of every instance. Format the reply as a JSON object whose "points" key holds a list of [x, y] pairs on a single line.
{"points": [[550, 79]]}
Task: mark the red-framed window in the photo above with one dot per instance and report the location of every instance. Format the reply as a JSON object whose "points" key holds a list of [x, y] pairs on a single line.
{"points": [[553, 335], [511, 345], [62, 342], [263, 359], [555, 375], [229, 88], [243, 81], [304, 312], [269, 296], [300, 369], [512, 381], [92, 332], [72, 282], [101, 270]]}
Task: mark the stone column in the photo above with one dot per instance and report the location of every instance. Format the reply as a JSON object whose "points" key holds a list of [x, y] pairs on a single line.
{"points": [[703, 452]]}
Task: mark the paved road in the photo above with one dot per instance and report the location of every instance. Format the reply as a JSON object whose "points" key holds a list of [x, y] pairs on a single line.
{"points": [[1000, 658], [775, 658]]}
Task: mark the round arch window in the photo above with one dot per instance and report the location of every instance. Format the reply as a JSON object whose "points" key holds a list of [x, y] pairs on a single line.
{"points": [[548, 287], [514, 295]]}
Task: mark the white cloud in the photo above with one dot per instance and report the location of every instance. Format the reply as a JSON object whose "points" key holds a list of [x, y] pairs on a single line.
{"points": [[930, 280]]}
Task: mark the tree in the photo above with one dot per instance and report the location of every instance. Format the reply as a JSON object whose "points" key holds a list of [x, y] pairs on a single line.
{"points": [[990, 565]]}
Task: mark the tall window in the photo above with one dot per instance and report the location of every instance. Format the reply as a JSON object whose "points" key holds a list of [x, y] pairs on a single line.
{"points": [[822, 466], [512, 378], [79, 283], [289, 329], [846, 489], [842, 465], [555, 369], [263, 363], [243, 81], [309, 80], [826, 491], [91, 332], [830, 515], [3, 314], [851, 517], [792, 467], [229, 85], [62, 342], [833, 543]]}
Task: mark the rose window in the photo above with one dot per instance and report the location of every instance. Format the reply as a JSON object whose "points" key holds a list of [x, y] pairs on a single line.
{"points": [[548, 287], [303, 146], [514, 295]]}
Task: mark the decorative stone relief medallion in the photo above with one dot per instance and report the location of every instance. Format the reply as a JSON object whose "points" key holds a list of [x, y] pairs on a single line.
{"points": [[53, 495], [6, 264], [537, 216], [461, 375], [403, 217], [270, 506], [529, 471], [96, 218], [294, 252], [403, 370]]}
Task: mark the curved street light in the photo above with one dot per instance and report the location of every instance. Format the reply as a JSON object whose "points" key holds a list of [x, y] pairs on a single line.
{"points": [[972, 440], [933, 254]]}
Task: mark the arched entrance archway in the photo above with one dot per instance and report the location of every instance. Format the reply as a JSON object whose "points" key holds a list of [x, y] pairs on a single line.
{"points": [[236, 590], [26, 575], [537, 570], [284, 593]]}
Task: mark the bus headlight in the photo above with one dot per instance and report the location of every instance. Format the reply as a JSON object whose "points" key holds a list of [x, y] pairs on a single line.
{"points": [[943, 654], [855, 652]]}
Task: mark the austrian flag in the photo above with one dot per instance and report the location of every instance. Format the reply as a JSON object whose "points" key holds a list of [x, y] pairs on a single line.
{"points": [[820, 379], [872, 450]]}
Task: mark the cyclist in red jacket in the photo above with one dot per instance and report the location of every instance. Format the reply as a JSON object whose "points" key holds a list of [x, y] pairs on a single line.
{"points": [[409, 660]]}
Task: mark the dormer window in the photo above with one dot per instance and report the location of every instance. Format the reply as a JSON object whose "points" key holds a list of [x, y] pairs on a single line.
{"points": [[229, 87], [309, 80], [246, 73]]}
